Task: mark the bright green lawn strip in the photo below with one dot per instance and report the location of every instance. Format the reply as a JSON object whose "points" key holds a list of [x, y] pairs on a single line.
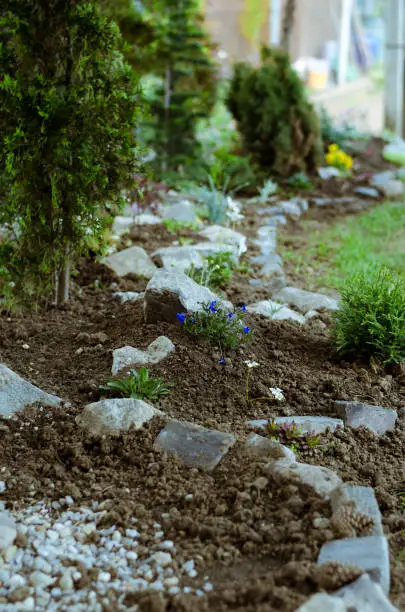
{"points": [[372, 239]]}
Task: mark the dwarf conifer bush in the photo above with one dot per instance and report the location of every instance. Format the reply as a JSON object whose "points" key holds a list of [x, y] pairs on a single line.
{"points": [[279, 126], [68, 108], [371, 319]]}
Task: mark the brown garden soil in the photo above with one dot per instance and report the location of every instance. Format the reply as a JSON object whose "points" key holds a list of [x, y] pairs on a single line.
{"points": [[254, 540]]}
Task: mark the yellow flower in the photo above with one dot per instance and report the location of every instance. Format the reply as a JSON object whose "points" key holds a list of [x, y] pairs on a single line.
{"points": [[333, 147]]}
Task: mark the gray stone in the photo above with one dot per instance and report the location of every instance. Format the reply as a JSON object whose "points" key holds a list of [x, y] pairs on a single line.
{"points": [[122, 225], [290, 207], [321, 479], [259, 446], [269, 283], [128, 356], [183, 211], [321, 602], [302, 203], [275, 311], [275, 220], [367, 192], [307, 424], [128, 296], [311, 314], [364, 595], [369, 553], [271, 259], [273, 266], [270, 211], [111, 416], [147, 219], [328, 172], [8, 530], [180, 258], [16, 393], [169, 293], [378, 419], [196, 446], [266, 239], [226, 237], [365, 502], [305, 301], [338, 202], [134, 260], [388, 184]]}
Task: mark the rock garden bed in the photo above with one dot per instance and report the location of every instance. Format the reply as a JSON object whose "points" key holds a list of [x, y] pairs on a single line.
{"points": [[203, 512]]}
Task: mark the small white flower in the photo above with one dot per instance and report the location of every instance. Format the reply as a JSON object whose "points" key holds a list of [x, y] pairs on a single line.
{"points": [[277, 393], [252, 364]]}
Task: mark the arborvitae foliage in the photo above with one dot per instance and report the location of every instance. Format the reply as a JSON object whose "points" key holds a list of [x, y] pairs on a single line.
{"points": [[279, 126], [68, 110], [188, 73]]}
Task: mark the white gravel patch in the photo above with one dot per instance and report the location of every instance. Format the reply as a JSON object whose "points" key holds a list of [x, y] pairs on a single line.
{"points": [[43, 569]]}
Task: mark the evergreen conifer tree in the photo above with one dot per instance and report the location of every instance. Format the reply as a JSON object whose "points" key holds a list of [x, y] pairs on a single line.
{"points": [[68, 109]]}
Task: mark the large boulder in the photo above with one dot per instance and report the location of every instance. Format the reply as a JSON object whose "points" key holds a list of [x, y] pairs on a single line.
{"points": [[16, 393], [169, 293], [134, 260], [112, 416]]}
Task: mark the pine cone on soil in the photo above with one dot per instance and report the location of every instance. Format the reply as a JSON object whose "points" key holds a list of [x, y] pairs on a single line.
{"points": [[347, 523], [332, 576]]}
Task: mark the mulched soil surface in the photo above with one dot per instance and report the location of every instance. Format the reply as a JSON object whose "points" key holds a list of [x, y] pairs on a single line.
{"points": [[255, 540]]}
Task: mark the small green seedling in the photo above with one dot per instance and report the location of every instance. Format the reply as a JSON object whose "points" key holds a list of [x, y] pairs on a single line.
{"points": [[173, 226], [138, 385]]}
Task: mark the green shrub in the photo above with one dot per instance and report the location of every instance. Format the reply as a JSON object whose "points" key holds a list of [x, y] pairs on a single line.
{"points": [[371, 320], [279, 126], [69, 106], [138, 385]]}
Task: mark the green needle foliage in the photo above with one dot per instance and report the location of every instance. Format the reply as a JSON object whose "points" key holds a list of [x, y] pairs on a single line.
{"points": [[138, 385], [279, 126], [371, 320], [69, 106]]}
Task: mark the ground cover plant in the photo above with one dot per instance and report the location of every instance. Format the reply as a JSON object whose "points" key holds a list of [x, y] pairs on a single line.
{"points": [[370, 322], [138, 385], [215, 272]]}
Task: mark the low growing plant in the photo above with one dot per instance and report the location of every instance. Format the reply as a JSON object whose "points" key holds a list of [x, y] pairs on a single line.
{"points": [[299, 181], [138, 385], [339, 159], [291, 435], [174, 226], [215, 272], [220, 327], [370, 322]]}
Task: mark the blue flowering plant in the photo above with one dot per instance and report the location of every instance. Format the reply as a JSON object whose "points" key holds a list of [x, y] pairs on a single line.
{"points": [[219, 326]]}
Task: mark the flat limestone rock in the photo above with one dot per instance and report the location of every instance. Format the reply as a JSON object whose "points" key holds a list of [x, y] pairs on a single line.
{"points": [[111, 416], [259, 446], [196, 446], [169, 293], [129, 296], [367, 192], [290, 207], [365, 503], [225, 236], [134, 260], [369, 553], [321, 479], [305, 301], [275, 311], [128, 356], [180, 258], [378, 419], [307, 424], [16, 393], [8, 530], [364, 595], [321, 602], [122, 225], [183, 211]]}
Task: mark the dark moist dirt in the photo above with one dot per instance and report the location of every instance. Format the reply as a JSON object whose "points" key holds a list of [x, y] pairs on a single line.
{"points": [[253, 539]]}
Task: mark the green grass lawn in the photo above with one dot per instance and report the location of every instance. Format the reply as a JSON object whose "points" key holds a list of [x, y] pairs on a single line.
{"points": [[329, 255]]}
